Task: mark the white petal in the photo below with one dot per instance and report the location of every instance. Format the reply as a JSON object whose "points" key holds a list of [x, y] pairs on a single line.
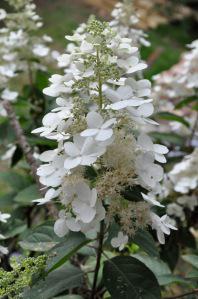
{"points": [[51, 91], [83, 211], [38, 130], [112, 95], [88, 160], [71, 149], [160, 236], [104, 134], [151, 200], [125, 92], [146, 109], [160, 149], [60, 228], [109, 123], [160, 158], [45, 170], [47, 156], [94, 120], [145, 142], [83, 191], [73, 225], [89, 132], [50, 119], [72, 162]]}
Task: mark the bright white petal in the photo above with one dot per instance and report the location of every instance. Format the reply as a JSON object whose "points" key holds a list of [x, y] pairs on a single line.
{"points": [[104, 134], [94, 120], [71, 149], [72, 162]]}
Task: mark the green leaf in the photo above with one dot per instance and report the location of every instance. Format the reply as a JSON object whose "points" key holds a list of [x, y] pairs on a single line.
{"points": [[42, 238], [168, 137], [146, 242], [185, 102], [191, 259], [41, 79], [6, 200], [126, 277], [17, 228], [62, 252], [66, 277], [16, 181], [26, 196], [170, 251], [173, 117], [41, 141], [160, 269]]}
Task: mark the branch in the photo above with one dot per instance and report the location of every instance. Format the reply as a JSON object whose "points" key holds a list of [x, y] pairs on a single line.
{"points": [[22, 141], [183, 295], [99, 254], [26, 149]]}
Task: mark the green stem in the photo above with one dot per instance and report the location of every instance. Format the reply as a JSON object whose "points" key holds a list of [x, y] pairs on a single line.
{"points": [[99, 81]]}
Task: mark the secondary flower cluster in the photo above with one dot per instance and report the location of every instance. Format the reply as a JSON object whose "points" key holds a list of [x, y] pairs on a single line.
{"points": [[179, 84], [181, 80], [125, 21], [20, 48], [182, 185], [102, 159]]}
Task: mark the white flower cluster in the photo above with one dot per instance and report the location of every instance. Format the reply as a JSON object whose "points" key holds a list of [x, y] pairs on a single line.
{"points": [[100, 105], [181, 80], [184, 180], [125, 21], [3, 218], [20, 48], [179, 83]]}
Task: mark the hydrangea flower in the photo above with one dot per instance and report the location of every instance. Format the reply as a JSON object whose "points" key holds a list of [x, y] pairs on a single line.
{"points": [[103, 155], [97, 127], [120, 241]]}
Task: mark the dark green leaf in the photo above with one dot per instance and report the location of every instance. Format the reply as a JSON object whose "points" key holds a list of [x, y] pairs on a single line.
{"points": [[185, 102], [168, 137], [41, 80], [170, 252], [66, 277], [17, 156], [146, 242], [126, 277], [134, 193], [172, 117]]}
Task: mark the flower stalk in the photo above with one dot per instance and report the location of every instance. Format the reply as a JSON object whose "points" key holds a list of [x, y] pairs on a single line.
{"points": [[99, 254]]}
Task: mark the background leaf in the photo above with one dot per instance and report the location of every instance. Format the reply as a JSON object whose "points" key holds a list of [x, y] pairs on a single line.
{"points": [[146, 242], [172, 117], [126, 277], [42, 238], [62, 252], [28, 194], [66, 277]]}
